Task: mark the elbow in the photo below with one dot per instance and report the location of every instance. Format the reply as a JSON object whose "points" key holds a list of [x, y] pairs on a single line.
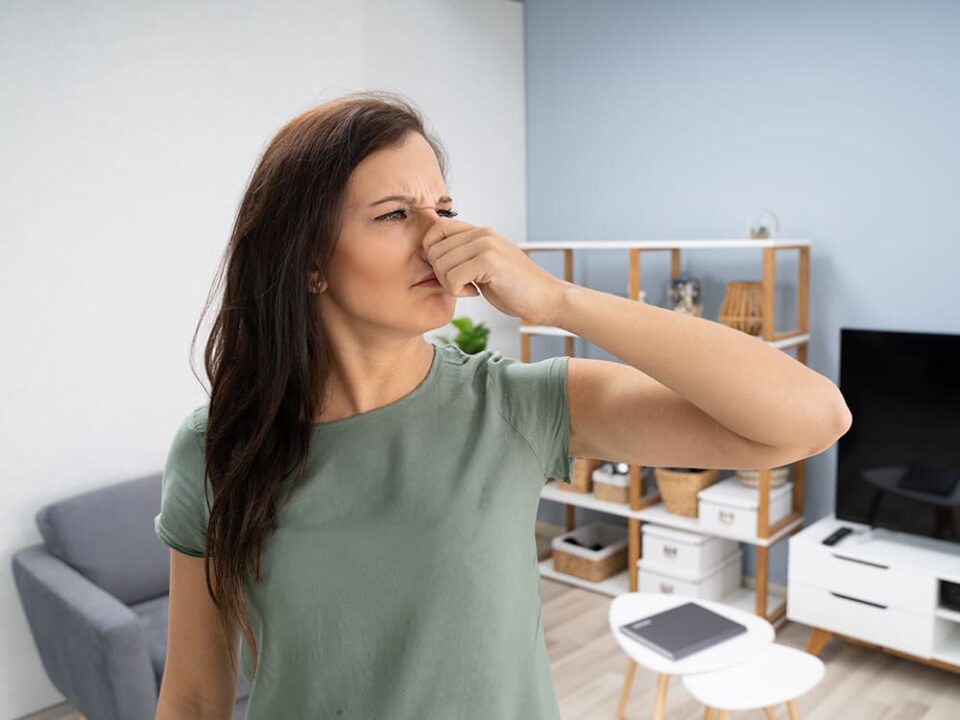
{"points": [[830, 429]]}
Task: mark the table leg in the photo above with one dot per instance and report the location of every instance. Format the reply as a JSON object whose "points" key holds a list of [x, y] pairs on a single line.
{"points": [[625, 690], [769, 713], [707, 713], [792, 710], [661, 705], [724, 715]]}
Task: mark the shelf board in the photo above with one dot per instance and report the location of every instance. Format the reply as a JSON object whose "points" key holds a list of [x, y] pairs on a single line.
{"points": [[656, 514], [560, 332], [743, 598], [948, 614], [948, 649], [720, 244]]}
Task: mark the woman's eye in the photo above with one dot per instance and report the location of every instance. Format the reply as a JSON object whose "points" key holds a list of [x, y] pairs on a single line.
{"points": [[401, 214]]}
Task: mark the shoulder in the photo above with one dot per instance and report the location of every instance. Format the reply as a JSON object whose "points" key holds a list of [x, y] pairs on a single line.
{"points": [[196, 420], [517, 386], [187, 448]]}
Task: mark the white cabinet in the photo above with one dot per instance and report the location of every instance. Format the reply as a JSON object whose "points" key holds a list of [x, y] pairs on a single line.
{"points": [[875, 585]]}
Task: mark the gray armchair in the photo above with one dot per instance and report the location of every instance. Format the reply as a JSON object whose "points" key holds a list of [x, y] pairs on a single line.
{"points": [[95, 596]]}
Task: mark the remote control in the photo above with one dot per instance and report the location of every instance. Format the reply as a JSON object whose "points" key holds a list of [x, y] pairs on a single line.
{"points": [[837, 535]]}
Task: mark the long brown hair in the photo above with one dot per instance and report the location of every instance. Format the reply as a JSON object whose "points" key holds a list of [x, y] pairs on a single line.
{"points": [[267, 356]]}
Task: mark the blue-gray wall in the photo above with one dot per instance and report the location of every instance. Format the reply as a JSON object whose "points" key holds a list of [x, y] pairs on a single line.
{"points": [[682, 119]]}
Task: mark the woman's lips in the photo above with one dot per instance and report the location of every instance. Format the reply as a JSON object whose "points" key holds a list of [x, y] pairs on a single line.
{"points": [[432, 282]]}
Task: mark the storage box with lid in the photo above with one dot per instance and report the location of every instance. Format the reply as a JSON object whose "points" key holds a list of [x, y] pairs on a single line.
{"points": [[582, 561], [731, 506], [721, 580], [610, 486], [680, 552]]}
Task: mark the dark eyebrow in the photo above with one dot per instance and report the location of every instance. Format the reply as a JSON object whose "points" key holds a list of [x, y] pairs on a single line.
{"points": [[407, 198]]}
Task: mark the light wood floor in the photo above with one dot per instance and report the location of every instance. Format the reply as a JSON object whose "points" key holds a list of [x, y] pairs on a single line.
{"points": [[587, 666], [860, 684]]}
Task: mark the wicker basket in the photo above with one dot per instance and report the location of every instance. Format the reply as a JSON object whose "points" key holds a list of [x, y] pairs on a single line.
{"points": [[587, 564], [678, 490], [581, 476]]}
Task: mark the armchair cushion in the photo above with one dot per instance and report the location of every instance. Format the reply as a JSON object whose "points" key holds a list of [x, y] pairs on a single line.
{"points": [[107, 535]]}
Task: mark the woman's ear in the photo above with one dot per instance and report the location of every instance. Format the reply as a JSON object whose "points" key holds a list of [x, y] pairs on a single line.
{"points": [[317, 285]]}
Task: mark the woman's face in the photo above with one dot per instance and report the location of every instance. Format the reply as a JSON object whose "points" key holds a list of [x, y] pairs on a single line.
{"points": [[379, 256]]}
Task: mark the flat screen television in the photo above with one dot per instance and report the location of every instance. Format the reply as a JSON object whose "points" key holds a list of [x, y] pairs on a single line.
{"points": [[898, 466]]}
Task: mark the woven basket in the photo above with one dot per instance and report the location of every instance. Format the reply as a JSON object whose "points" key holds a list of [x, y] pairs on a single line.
{"points": [[581, 476], [678, 490], [611, 493], [593, 565]]}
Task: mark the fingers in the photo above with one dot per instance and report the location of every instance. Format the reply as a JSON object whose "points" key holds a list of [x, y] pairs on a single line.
{"points": [[443, 228]]}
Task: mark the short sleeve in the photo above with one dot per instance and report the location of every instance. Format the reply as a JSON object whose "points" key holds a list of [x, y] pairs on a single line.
{"points": [[182, 521], [533, 397]]}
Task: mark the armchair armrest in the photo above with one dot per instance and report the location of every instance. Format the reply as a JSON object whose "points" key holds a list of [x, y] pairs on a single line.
{"points": [[91, 644]]}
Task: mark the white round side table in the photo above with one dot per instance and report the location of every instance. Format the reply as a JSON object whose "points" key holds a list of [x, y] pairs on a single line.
{"points": [[778, 674], [635, 605]]}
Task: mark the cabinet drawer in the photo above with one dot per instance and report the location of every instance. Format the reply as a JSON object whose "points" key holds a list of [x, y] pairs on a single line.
{"points": [[830, 569], [851, 615]]}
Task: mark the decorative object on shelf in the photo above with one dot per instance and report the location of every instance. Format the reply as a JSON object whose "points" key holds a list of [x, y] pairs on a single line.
{"points": [[764, 225], [751, 478], [611, 482], [471, 338], [684, 295], [742, 306], [592, 552], [679, 487]]}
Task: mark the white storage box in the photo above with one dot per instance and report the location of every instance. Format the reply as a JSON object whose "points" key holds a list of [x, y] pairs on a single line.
{"points": [[684, 554], [731, 506], [724, 579], [610, 486]]}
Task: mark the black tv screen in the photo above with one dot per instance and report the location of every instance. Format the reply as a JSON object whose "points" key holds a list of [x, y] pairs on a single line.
{"points": [[898, 466]]}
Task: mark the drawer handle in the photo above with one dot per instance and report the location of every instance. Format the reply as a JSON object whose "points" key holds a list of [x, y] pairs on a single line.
{"points": [[862, 562], [726, 517], [853, 599], [665, 588], [669, 551]]}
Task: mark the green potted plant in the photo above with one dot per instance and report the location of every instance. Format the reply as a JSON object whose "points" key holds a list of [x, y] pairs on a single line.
{"points": [[471, 338]]}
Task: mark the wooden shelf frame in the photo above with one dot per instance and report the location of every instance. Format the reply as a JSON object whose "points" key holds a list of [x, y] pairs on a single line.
{"points": [[642, 504]]}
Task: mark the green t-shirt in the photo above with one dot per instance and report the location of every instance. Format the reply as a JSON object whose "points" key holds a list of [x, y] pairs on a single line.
{"points": [[402, 580]]}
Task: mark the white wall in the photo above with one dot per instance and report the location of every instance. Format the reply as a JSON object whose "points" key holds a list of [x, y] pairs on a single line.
{"points": [[127, 136]]}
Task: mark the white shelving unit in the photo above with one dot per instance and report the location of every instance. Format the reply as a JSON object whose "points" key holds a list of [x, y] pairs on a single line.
{"points": [[647, 507]]}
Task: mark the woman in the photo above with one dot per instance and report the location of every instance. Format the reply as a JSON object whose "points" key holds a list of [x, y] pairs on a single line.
{"points": [[360, 503]]}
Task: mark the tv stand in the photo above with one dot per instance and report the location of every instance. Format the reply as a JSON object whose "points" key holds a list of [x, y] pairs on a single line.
{"points": [[877, 588]]}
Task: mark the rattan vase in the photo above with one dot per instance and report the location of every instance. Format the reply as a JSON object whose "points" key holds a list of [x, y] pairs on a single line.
{"points": [[742, 307]]}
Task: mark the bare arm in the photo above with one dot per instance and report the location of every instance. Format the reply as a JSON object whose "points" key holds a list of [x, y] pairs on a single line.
{"points": [[198, 681], [750, 388]]}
